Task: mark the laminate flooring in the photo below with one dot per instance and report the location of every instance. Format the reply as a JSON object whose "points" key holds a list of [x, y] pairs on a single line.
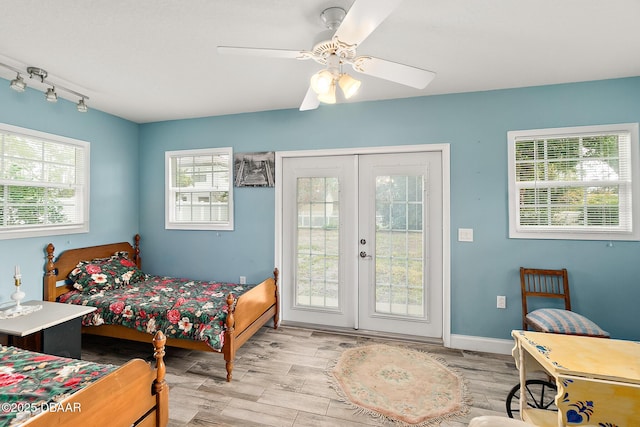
{"points": [[279, 379]]}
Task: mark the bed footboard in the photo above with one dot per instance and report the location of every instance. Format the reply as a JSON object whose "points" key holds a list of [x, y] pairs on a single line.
{"points": [[250, 312], [134, 394]]}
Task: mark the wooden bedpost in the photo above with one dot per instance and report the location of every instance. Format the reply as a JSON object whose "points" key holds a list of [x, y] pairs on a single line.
{"points": [[229, 347], [136, 246], [49, 276], [276, 316], [160, 387]]}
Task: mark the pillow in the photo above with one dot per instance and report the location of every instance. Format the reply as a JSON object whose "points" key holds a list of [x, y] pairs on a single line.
{"points": [[563, 322], [105, 273]]}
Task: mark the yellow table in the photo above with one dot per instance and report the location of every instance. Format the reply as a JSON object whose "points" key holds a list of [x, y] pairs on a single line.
{"points": [[598, 379]]}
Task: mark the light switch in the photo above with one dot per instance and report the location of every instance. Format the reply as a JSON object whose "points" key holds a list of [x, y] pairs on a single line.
{"points": [[465, 234]]}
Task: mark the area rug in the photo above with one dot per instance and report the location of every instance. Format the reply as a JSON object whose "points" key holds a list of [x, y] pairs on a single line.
{"points": [[403, 385]]}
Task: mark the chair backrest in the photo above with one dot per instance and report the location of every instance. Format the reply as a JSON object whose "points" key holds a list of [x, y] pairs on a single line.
{"points": [[535, 282]]}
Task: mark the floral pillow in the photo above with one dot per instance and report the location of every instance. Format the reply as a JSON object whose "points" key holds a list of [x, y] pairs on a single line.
{"points": [[105, 274]]}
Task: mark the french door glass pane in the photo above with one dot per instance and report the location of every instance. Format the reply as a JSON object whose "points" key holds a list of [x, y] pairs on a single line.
{"points": [[317, 247], [399, 284]]}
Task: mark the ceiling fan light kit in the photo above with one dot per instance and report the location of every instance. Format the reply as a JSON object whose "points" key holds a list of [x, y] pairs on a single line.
{"points": [[324, 82], [19, 85], [349, 30]]}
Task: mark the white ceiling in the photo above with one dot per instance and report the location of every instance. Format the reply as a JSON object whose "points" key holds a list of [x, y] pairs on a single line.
{"points": [[154, 60]]}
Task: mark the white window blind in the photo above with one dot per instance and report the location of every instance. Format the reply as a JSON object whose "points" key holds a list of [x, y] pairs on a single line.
{"points": [[575, 183], [199, 189], [44, 184]]}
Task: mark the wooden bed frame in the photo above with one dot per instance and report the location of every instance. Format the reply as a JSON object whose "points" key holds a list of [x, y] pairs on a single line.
{"points": [[134, 394], [249, 312]]}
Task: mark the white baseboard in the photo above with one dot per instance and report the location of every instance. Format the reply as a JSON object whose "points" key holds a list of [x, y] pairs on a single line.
{"points": [[486, 345]]}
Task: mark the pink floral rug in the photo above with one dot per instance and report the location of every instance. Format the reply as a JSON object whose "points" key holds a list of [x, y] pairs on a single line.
{"points": [[406, 386]]}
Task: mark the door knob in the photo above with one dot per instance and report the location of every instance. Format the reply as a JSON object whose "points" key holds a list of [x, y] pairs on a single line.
{"points": [[363, 254]]}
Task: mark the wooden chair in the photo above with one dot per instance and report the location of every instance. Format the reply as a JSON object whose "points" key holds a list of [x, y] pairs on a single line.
{"points": [[544, 283]]}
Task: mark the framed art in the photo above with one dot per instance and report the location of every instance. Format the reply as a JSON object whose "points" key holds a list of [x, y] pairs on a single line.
{"points": [[254, 169]]}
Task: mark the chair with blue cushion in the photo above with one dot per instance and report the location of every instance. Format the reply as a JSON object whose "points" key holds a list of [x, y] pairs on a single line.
{"points": [[543, 283]]}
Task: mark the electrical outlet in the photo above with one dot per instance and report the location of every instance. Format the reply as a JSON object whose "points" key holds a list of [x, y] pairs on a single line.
{"points": [[501, 301], [243, 280]]}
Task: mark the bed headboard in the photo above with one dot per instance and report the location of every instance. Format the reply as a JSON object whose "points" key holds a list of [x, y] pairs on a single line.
{"points": [[59, 270]]}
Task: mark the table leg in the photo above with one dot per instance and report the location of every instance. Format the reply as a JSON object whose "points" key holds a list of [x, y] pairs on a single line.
{"points": [[523, 379]]}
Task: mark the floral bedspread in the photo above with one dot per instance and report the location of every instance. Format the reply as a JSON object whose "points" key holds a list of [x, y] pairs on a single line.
{"points": [[33, 382], [181, 308]]}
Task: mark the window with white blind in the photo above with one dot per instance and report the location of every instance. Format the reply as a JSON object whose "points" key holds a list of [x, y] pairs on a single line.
{"points": [[199, 192], [44, 184], [574, 183]]}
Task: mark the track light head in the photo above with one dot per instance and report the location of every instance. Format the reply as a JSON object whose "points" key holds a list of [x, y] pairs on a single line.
{"points": [[82, 106], [18, 84], [51, 95]]}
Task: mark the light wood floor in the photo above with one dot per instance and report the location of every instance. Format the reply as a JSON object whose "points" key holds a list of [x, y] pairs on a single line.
{"points": [[279, 379]]}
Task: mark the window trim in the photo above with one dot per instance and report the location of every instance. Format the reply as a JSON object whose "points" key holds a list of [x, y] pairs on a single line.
{"points": [[52, 230], [515, 231], [171, 224]]}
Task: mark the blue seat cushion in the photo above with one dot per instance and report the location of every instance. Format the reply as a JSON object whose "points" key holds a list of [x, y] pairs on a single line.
{"points": [[567, 322]]}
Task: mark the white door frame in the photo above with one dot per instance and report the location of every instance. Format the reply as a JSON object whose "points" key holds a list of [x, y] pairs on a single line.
{"points": [[444, 149]]}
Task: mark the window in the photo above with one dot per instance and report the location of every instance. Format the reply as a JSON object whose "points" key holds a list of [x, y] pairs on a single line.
{"points": [[44, 184], [199, 189], [574, 183]]}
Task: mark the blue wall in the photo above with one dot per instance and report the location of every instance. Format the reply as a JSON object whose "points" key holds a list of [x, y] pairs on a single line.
{"points": [[114, 181], [127, 192], [603, 278]]}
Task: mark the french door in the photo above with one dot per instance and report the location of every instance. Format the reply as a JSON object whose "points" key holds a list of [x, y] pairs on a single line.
{"points": [[362, 242]]}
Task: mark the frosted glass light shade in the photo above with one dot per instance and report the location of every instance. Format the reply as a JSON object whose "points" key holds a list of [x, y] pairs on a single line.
{"points": [[321, 82], [349, 85], [330, 96]]}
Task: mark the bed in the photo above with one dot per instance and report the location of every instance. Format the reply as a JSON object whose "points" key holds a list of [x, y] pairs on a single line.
{"points": [[232, 313], [43, 390]]}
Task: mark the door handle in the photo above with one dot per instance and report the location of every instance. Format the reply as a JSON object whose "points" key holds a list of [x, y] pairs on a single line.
{"points": [[363, 254]]}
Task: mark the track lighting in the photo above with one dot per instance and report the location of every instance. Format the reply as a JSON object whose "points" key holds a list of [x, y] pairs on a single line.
{"points": [[18, 84]]}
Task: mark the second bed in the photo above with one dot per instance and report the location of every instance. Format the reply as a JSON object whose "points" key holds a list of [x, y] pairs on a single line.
{"points": [[193, 314]]}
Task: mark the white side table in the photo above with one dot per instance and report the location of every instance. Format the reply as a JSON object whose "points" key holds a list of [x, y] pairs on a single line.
{"points": [[54, 329]]}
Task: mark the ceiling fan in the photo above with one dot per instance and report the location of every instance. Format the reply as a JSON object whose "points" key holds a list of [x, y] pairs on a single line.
{"points": [[338, 48]]}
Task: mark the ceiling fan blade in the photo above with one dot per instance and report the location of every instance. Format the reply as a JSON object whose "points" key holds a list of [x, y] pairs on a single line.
{"points": [[363, 18], [310, 101], [269, 53], [393, 71]]}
